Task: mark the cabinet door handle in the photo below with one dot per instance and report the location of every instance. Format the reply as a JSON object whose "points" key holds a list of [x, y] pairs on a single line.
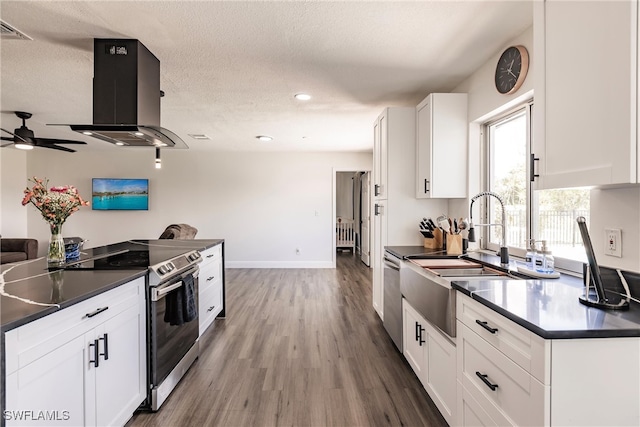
{"points": [[98, 311], [487, 327], [532, 167], [484, 379], [211, 308], [421, 339], [376, 190], [426, 185], [105, 338], [210, 278], [96, 356], [376, 209]]}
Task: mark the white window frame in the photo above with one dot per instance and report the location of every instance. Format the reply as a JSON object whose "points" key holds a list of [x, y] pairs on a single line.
{"points": [[568, 265]]}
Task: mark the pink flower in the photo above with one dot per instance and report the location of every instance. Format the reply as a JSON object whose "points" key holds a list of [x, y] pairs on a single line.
{"points": [[55, 204]]}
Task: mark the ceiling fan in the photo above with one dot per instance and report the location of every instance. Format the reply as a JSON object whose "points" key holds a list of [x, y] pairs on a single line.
{"points": [[24, 139]]}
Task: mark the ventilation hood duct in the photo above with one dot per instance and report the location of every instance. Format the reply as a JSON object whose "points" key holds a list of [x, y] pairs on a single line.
{"points": [[126, 96]]}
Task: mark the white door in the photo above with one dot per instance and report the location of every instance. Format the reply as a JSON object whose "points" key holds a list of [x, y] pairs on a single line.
{"points": [[365, 204]]}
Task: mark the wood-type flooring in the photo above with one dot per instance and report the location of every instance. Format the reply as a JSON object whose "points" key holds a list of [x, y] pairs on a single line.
{"points": [[299, 347]]}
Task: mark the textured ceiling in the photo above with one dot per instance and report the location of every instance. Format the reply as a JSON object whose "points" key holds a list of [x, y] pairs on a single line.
{"points": [[230, 69]]}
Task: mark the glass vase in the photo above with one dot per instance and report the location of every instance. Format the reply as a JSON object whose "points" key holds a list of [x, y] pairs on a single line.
{"points": [[56, 254]]}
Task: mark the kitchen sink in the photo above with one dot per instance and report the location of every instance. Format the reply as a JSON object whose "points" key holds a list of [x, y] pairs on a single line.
{"points": [[428, 289]]}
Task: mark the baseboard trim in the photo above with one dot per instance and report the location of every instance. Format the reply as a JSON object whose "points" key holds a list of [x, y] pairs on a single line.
{"points": [[278, 264]]}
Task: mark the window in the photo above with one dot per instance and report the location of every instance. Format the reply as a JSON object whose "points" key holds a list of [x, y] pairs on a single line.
{"points": [[542, 215]]}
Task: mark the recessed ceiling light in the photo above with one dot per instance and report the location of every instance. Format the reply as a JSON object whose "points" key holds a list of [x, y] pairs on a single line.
{"points": [[198, 136], [264, 138], [302, 96]]}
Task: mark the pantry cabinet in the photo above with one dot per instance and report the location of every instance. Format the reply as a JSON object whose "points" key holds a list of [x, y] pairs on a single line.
{"points": [[586, 101], [507, 375], [432, 357], [210, 286], [397, 212], [441, 146], [85, 365]]}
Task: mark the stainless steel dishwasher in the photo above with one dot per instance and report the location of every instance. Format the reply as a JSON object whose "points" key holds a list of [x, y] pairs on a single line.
{"points": [[392, 298]]}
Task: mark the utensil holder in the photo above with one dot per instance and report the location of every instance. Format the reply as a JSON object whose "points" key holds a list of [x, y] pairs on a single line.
{"points": [[435, 242], [454, 244]]}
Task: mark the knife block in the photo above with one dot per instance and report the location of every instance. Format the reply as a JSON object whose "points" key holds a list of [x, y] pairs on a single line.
{"points": [[435, 242], [454, 244]]}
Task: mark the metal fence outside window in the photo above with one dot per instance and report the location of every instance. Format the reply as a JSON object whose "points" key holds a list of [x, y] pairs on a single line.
{"points": [[558, 228]]}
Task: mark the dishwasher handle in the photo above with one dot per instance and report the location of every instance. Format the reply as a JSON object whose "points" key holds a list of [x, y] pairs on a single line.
{"points": [[391, 262]]}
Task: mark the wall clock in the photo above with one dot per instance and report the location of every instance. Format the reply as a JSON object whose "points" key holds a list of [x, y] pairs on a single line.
{"points": [[511, 69]]}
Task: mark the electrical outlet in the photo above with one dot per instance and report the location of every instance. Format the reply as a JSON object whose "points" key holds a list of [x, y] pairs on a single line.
{"points": [[613, 242], [297, 251]]}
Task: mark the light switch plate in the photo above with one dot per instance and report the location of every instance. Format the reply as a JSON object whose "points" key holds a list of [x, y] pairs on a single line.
{"points": [[613, 242]]}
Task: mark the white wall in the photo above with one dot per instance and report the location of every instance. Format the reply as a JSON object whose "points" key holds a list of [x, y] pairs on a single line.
{"points": [[13, 175], [263, 204]]}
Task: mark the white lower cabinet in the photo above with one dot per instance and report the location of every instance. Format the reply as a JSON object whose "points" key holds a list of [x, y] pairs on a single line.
{"points": [[507, 375], [210, 287], [433, 358], [81, 366]]}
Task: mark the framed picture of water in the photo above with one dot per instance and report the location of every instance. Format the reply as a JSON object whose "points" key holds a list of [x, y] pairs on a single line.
{"points": [[120, 194]]}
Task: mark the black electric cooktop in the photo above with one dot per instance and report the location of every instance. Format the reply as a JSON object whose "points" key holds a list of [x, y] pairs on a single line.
{"points": [[133, 254]]}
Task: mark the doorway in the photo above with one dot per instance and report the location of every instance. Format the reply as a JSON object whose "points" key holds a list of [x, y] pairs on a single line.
{"points": [[352, 213]]}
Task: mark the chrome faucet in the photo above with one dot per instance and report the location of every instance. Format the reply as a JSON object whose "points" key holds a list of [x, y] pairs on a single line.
{"points": [[504, 252]]}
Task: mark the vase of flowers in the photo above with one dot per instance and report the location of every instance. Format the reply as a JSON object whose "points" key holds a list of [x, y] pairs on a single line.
{"points": [[55, 205]]}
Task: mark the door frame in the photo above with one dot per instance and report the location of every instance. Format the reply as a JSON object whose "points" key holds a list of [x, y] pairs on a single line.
{"points": [[334, 208]]}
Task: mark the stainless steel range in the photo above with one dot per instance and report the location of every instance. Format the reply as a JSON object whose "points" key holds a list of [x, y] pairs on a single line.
{"points": [[172, 301], [172, 324]]}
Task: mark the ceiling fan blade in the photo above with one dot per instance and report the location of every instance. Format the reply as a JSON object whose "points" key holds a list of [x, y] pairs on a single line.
{"points": [[56, 147], [6, 138], [6, 145], [47, 141]]}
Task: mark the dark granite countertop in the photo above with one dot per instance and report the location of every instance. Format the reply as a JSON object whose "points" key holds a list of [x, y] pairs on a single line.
{"points": [[405, 252], [550, 308], [29, 282]]}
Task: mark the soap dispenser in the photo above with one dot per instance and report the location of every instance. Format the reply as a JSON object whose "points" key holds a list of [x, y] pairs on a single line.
{"points": [[530, 256], [548, 263]]}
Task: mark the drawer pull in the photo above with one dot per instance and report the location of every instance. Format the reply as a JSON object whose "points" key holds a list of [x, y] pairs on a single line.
{"points": [[210, 256], [487, 327], [98, 311], [484, 379], [211, 308], [210, 278]]}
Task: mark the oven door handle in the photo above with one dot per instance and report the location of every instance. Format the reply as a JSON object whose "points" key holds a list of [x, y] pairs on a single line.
{"points": [[160, 292]]}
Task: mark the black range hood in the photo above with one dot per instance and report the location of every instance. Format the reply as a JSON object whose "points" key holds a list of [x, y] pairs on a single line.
{"points": [[126, 96]]}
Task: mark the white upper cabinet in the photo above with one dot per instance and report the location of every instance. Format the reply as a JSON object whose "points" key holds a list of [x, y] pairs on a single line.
{"points": [[441, 146], [586, 79]]}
